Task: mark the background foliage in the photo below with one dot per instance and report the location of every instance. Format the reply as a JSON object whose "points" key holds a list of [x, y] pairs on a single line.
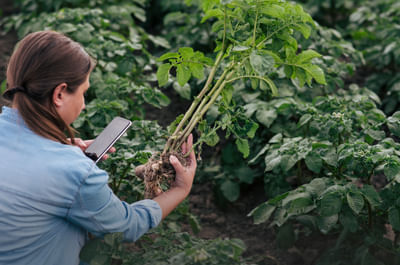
{"points": [[326, 152]]}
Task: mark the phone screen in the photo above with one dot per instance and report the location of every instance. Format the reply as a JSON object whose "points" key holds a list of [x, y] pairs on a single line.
{"points": [[104, 141]]}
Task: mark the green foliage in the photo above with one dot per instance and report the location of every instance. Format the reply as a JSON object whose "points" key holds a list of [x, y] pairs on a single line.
{"points": [[166, 244]]}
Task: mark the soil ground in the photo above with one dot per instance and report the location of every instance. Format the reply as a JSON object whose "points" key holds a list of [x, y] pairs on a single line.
{"points": [[230, 221]]}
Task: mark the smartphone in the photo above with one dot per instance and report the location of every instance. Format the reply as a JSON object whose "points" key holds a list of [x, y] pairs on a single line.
{"points": [[105, 140]]}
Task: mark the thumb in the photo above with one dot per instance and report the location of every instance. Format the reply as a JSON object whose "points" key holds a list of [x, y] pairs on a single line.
{"points": [[176, 164]]}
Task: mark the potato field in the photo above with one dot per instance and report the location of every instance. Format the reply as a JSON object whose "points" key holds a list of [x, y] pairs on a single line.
{"points": [[295, 111]]}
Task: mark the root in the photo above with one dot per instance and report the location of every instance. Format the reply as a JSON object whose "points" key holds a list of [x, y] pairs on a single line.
{"points": [[158, 174]]}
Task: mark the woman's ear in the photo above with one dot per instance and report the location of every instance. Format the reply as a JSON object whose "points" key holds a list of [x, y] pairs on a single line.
{"points": [[59, 94]]}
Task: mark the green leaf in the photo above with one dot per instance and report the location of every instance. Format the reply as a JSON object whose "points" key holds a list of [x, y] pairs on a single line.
{"points": [[355, 201], [197, 70], [301, 206], [262, 213], [169, 55], [270, 164], [163, 74], [391, 170], [212, 138], [261, 63], [186, 52], [183, 74], [251, 133], [317, 73], [371, 195], [183, 91], [304, 120], [172, 127], [212, 13], [230, 190], [306, 56], [313, 162], [266, 117], [326, 223], [243, 146], [394, 218], [288, 161], [331, 204], [304, 29]]}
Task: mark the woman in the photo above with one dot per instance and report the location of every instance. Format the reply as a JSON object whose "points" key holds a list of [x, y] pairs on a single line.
{"points": [[51, 194]]}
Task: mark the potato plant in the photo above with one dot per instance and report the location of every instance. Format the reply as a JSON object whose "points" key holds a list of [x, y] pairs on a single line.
{"points": [[346, 169], [254, 40]]}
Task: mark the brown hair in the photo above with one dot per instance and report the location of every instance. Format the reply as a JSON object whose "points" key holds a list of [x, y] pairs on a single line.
{"points": [[40, 62]]}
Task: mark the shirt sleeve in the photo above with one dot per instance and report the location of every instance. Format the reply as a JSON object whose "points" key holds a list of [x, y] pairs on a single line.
{"points": [[97, 209]]}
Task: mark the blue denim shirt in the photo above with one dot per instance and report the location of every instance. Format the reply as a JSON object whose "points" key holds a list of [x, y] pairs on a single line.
{"points": [[51, 194]]}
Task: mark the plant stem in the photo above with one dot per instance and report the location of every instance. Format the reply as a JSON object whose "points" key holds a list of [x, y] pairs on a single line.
{"points": [[255, 27], [195, 102], [200, 112], [203, 102]]}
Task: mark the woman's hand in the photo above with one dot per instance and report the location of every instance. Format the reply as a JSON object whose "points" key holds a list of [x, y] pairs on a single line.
{"points": [[185, 175], [180, 189], [84, 144]]}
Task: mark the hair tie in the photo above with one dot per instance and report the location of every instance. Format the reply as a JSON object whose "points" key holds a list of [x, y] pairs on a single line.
{"points": [[9, 93]]}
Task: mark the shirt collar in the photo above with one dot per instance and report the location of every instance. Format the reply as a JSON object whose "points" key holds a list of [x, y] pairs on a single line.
{"points": [[12, 115]]}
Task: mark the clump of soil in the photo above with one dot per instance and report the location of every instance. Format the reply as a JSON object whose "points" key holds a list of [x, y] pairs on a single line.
{"points": [[158, 173]]}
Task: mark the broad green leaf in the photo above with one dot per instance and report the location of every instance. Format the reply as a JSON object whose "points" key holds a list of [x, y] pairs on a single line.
{"points": [[317, 73], [186, 52], [371, 195], [243, 146], [270, 164], [183, 91], [262, 213], [394, 218], [262, 64], [183, 74], [301, 206], [169, 55], [355, 201], [306, 56], [275, 11], [313, 162], [316, 186], [230, 190], [375, 134], [212, 13], [266, 117], [163, 74], [326, 223], [391, 170], [197, 70], [117, 37], [304, 29], [331, 204], [212, 138], [288, 161], [304, 120], [251, 133]]}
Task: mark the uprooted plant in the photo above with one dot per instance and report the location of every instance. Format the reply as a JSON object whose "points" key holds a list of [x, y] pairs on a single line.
{"points": [[254, 44]]}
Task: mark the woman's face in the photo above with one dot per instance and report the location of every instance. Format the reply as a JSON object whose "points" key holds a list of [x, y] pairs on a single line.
{"points": [[73, 103]]}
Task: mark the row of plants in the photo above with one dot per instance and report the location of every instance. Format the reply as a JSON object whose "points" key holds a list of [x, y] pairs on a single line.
{"points": [[281, 87]]}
